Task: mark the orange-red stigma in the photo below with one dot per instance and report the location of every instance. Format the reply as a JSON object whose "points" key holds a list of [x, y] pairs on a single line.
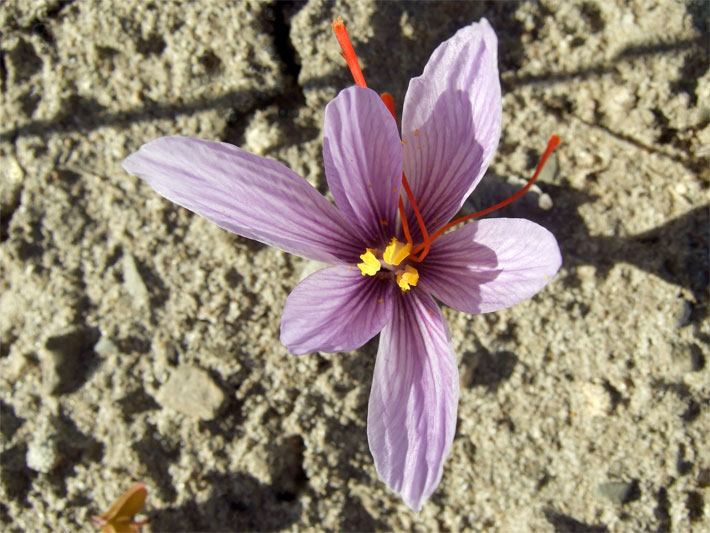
{"points": [[552, 145], [348, 52], [341, 34], [350, 57], [417, 214], [389, 102], [405, 224]]}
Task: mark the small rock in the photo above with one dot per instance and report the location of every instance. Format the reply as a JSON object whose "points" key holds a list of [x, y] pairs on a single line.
{"points": [[191, 391], [16, 365], [42, 451], [133, 281], [595, 400], [684, 313], [467, 374], [688, 358], [544, 202], [14, 171], [549, 171], [66, 359], [262, 133], [620, 491], [105, 346], [42, 456]]}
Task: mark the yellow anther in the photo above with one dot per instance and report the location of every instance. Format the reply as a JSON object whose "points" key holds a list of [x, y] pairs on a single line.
{"points": [[370, 264], [396, 252], [407, 278]]}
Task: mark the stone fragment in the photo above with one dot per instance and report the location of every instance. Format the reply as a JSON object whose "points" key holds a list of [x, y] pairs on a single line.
{"points": [[191, 391], [595, 400], [544, 202], [10, 187], [42, 450], [620, 491], [133, 281], [66, 359], [105, 346], [688, 358], [14, 171], [42, 455]]}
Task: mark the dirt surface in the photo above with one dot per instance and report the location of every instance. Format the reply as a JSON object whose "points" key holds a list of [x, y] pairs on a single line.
{"points": [[140, 342]]}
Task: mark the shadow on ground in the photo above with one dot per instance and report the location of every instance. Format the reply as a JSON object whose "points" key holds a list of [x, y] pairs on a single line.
{"points": [[242, 504]]}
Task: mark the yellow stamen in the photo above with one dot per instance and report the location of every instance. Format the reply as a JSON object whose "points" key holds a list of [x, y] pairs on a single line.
{"points": [[407, 277], [370, 265], [396, 252]]}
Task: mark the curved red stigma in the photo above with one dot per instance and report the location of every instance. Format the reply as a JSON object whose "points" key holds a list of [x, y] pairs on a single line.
{"points": [[552, 145]]}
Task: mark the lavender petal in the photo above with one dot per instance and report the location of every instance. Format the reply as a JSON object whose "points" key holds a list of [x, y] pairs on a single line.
{"points": [[451, 122], [490, 264], [412, 413], [246, 194], [362, 153], [336, 309]]}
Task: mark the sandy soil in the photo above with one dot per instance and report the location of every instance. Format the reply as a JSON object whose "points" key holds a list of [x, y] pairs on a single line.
{"points": [[140, 342]]}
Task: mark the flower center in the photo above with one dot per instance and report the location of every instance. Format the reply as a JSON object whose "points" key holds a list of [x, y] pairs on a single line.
{"points": [[391, 261]]}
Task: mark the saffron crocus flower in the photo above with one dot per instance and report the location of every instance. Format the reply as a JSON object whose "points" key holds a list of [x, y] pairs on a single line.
{"points": [[390, 258]]}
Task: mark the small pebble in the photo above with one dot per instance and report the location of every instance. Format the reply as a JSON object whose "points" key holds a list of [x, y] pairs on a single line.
{"points": [[191, 391], [133, 282], [42, 453], [619, 491], [595, 399], [544, 202], [105, 346], [65, 358]]}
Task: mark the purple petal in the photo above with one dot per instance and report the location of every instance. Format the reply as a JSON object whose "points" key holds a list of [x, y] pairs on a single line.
{"points": [[246, 194], [412, 413], [451, 122], [362, 153], [490, 264], [337, 309]]}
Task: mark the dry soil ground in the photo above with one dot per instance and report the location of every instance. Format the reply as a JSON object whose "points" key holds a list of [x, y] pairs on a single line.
{"points": [[140, 342]]}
